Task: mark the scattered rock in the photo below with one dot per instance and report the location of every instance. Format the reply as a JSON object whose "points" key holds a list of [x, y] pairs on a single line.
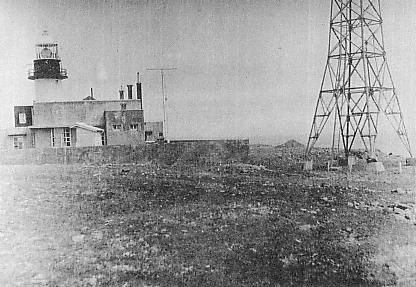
{"points": [[97, 235], [402, 207], [39, 279], [306, 227], [90, 282], [288, 260], [384, 276], [292, 144], [123, 268], [398, 190], [78, 238]]}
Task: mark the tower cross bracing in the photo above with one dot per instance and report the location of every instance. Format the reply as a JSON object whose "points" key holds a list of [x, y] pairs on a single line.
{"points": [[357, 84]]}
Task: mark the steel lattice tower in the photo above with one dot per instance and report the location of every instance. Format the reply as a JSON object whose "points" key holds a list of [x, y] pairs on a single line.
{"points": [[357, 83]]}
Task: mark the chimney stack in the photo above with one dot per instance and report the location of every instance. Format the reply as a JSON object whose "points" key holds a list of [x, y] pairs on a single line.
{"points": [[121, 93], [139, 91], [130, 92]]}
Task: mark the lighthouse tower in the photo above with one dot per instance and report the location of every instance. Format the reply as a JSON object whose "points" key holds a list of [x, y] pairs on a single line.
{"points": [[47, 71]]}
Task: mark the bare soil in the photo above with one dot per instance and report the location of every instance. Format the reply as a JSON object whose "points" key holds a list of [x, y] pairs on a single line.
{"points": [[260, 223]]}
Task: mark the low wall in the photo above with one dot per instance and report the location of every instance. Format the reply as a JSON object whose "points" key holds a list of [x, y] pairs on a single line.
{"points": [[176, 152]]}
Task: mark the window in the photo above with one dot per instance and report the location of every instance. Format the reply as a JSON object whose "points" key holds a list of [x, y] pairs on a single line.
{"points": [[52, 137], [147, 135], [33, 140], [103, 138], [161, 134], [67, 137], [22, 118], [18, 142], [134, 127], [117, 127]]}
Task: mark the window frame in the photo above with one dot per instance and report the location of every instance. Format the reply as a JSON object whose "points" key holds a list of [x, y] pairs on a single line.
{"points": [[66, 135], [53, 142], [18, 142], [116, 127], [134, 127], [22, 118], [33, 139]]}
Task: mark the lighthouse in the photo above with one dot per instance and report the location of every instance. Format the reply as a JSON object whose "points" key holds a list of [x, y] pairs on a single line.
{"points": [[47, 71]]}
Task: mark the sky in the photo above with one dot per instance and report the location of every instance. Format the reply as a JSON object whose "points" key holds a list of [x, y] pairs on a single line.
{"points": [[244, 68]]}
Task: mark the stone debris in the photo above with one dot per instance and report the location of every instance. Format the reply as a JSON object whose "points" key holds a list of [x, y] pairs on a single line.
{"points": [[78, 238], [385, 276], [90, 282], [399, 191], [124, 268], [289, 260], [97, 235], [39, 280], [306, 227], [375, 167], [243, 168]]}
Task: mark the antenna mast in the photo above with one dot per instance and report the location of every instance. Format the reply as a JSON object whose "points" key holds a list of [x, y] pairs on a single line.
{"points": [[164, 98]]}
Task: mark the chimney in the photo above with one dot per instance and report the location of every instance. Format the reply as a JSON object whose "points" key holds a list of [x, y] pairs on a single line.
{"points": [[121, 93], [92, 94], [130, 92], [139, 91]]}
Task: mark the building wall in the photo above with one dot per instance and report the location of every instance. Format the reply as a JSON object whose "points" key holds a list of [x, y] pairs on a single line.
{"points": [[185, 152], [7, 142], [87, 138], [74, 138], [98, 139], [4, 140], [58, 137], [68, 113], [153, 131], [42, 138], [125, 135], [48, 90]]}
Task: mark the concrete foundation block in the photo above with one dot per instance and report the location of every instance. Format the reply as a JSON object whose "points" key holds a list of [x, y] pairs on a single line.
{"points": [[308, 165], [411, 161], [376, 166]]}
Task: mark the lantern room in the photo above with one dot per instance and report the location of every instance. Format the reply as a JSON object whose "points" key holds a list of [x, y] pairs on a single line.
{"points": [[47, 64]]}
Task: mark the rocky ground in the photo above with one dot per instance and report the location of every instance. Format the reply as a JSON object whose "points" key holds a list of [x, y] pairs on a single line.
{"points": [[260, 223]]}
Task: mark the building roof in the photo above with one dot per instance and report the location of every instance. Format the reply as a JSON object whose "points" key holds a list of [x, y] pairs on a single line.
{"points": [[87, 127], [47, 127], [76, 125], [17, 131], [37, 103]]}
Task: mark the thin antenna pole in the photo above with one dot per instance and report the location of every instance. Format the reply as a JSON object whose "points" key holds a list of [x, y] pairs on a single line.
{"points": [[164, 99], [165, 122]]}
